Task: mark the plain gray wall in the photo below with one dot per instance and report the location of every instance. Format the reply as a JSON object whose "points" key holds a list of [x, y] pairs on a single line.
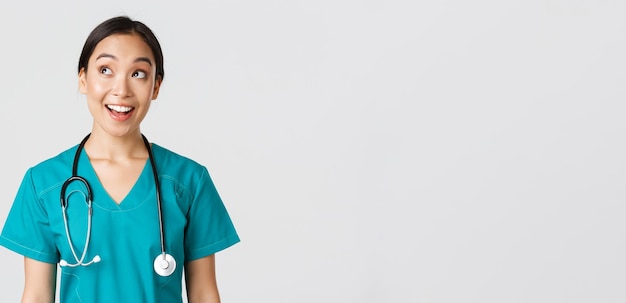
{"points": [[368, 151]]}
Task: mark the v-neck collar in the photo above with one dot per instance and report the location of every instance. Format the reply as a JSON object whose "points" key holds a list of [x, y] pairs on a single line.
{"points": [[140, 192]]}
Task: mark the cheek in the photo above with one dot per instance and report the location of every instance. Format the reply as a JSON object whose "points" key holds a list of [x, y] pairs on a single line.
{"points": [[144, 89], [95, 87]]}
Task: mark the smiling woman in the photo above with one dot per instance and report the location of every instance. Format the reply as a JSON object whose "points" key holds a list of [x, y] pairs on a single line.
{"points": [[130, 210]]}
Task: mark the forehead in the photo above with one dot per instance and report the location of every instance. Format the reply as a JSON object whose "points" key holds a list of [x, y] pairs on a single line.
{"points": [[123, 46]]}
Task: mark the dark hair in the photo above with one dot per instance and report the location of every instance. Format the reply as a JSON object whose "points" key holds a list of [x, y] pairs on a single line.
{"points": [[122, 25]]}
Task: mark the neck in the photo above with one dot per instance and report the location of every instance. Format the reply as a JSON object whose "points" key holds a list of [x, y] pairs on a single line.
{"points": [[104, 146]]}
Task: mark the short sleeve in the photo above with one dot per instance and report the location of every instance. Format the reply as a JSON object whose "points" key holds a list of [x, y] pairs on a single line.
{"points": [[209, 227], [27, 230]]}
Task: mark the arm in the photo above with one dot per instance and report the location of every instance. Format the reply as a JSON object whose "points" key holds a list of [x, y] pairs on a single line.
{"points": [[200, 281], [40, 281]]}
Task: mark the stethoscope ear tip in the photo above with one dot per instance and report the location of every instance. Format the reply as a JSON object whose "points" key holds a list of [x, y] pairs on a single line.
{"points": [[63, 263], [96, 259]]}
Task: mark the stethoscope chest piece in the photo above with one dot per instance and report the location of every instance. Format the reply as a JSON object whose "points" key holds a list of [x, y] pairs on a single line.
{"points": [[164, 265]]}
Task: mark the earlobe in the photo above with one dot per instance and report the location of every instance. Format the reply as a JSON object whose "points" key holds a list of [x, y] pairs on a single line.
{"points": [[82, 81], [157, 87]]}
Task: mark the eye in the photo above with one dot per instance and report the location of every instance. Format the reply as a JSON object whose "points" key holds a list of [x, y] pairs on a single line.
{"points": [[139, 74], [106, 71]]}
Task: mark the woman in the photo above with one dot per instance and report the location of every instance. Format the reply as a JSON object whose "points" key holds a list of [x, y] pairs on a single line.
{"points": [[133, 214]]}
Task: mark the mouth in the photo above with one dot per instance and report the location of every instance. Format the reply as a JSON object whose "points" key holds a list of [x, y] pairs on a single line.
{"points": [[120, 109], [119, 112]]}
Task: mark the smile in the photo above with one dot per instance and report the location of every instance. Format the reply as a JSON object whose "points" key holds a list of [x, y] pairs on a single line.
{"points": [[119, 108], [120, 113]]}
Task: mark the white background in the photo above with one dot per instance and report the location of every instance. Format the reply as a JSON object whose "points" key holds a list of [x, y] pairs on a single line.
{"points": [[367, 151]]}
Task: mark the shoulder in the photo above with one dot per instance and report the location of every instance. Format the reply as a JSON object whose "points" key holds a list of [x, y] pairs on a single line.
{"points": [[173, 164], [53, 170], [61, 160]]}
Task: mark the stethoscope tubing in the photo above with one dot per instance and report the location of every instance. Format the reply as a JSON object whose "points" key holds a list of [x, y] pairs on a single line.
{"points": [[164, 264], [87, 238], [158, 193]]}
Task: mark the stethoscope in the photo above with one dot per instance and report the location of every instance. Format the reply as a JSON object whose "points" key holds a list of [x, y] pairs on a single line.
{"points": [[164, 263]]}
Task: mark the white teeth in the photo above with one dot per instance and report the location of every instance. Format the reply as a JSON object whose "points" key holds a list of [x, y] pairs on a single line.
{"points": [[119, 108]]}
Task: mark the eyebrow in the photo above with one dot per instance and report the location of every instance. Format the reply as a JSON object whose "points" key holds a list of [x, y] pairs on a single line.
{"points": [[140, 59]]}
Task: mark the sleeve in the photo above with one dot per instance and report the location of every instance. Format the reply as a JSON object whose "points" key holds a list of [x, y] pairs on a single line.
{"points": [[27, 230], [209, 227]]}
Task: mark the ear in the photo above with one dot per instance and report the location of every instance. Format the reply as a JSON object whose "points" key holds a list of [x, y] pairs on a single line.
{"points": [[157, 87], [82, 81]]}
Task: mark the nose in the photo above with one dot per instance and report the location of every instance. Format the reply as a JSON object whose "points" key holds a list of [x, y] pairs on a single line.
{"points": [[121, 87]]}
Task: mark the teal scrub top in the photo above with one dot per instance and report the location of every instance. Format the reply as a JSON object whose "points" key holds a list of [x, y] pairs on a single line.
{"points": [[126, 236]]}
